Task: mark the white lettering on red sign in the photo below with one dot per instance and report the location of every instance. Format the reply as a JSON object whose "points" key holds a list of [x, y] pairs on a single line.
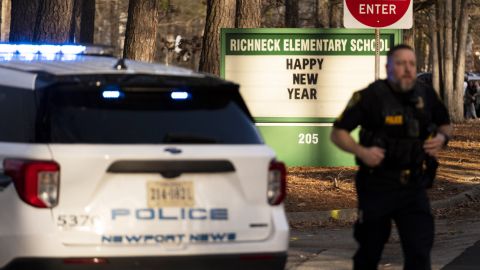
{"points": [[375, 9]]}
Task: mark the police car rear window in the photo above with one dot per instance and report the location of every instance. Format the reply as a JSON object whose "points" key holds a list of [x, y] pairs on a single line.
{"points": [[115, 115]]}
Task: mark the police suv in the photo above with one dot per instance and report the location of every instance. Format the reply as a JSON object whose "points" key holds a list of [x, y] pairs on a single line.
{"points": [[118, 164]]}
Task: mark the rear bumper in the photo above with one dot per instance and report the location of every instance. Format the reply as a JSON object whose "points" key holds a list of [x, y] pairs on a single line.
{"points": [[212, 262]]}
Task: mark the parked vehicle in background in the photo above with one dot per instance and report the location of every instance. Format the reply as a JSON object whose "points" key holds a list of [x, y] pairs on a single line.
{"points": [[120, 164], [425, 77], [474, 78]]}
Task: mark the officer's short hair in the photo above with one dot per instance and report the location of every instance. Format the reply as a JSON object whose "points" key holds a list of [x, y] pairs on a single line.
{"points": [[398, 47]]}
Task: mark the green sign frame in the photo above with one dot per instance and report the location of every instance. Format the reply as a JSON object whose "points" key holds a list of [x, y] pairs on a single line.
{"points": [[298, 140]]}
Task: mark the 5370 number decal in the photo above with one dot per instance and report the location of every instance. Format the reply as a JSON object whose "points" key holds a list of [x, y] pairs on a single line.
{"points": [[72, 221]]}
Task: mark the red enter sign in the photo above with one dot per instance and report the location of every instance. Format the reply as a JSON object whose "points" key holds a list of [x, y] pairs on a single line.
{"points": [[378, 13]]}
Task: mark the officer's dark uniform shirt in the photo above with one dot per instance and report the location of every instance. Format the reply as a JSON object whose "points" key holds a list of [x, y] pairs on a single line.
{"points": [[370, 110]]}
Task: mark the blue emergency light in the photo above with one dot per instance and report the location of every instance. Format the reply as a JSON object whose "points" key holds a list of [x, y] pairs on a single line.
{"points": [[43, 49], [179, 95], [111, 94]]}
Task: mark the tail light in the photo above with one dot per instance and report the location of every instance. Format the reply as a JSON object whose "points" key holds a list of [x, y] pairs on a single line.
{"points": [[37, 182], [277, 183]]}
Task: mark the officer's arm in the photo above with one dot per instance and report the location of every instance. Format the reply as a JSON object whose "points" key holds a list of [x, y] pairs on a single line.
{"points": [[371, 156], [445, 130], [434, 145], [343, 139]]}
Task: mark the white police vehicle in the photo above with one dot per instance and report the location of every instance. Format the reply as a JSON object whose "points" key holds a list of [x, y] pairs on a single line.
{"points": [[118, 164]]}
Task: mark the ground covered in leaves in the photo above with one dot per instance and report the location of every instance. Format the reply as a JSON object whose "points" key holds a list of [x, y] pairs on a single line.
{"points": [[327, 188]]}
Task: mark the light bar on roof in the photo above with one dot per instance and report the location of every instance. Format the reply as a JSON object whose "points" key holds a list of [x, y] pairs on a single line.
{"points": [[44, 49]]}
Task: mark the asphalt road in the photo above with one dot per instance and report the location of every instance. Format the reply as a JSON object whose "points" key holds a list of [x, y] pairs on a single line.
{"points": [[468, 260], [457, 247]]}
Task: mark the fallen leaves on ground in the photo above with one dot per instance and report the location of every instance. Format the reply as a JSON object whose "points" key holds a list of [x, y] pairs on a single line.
{"points": [[327, 188]]}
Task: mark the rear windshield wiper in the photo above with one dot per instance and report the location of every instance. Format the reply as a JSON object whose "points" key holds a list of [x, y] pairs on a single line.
{"points": [[188, 138]]}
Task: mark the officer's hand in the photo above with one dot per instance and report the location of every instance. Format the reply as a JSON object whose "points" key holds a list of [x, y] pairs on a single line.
{"points": [[371, 156], [434, 145]]}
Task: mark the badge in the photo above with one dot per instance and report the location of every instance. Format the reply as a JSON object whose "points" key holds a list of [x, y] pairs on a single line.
{"points": [[394, 120]]}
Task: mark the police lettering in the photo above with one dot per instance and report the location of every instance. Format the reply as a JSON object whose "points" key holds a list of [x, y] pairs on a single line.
{"points": [[145, 214]]}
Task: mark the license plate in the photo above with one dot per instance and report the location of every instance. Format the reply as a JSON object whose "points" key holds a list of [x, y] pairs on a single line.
{"points": [[170, 194]]}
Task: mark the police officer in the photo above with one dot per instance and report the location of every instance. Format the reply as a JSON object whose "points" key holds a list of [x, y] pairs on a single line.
{"points": [[403, 126]]}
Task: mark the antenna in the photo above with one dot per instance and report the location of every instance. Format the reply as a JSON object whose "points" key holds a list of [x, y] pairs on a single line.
{"points": [[120, 65]]}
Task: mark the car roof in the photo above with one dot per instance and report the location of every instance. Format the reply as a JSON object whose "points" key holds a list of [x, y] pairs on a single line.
{"points": [[25, 70], [473, 77], [84, 64], [23, 73]]}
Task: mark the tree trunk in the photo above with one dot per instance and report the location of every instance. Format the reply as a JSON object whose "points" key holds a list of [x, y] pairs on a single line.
{"points": [[422, 50], [440, 14], [323, 11], [87, 25], [220, 14], [83, 21], [249, 14], [434, 53], [291, 13], [456, 10], [1, 18], [6, 13], [336, 14], [457, 114], [53, 21], [115, 27], [142, 27], [23, 17], [448, 81], [469, 64], [409, 37]]}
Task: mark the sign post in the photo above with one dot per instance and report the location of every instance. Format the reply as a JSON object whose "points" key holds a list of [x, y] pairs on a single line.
{"points": [[378, 14], [377, 53]]}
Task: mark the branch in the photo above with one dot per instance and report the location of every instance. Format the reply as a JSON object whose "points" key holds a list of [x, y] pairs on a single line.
{"points": [[423, 5]]}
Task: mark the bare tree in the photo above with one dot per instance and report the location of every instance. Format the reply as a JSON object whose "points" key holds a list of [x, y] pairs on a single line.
{"points": [[1, 19], [142, 26], [456, 4], [448, 54], [322, 14], [291, 13], [220, 14], [434, 53], [23, 17], [409, 37], [273, 13], [114, 26], [336, 13], [451, 61], [6, 18], [249, 14], [462, 30], [440, 16], [53, 21], [83, 21]]}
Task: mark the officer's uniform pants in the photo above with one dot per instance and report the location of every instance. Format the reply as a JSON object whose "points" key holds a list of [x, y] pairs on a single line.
{"points": [[410, 209]]}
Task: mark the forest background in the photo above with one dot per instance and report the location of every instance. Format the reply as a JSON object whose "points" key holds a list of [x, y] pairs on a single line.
{"points": [[186, 33]]}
